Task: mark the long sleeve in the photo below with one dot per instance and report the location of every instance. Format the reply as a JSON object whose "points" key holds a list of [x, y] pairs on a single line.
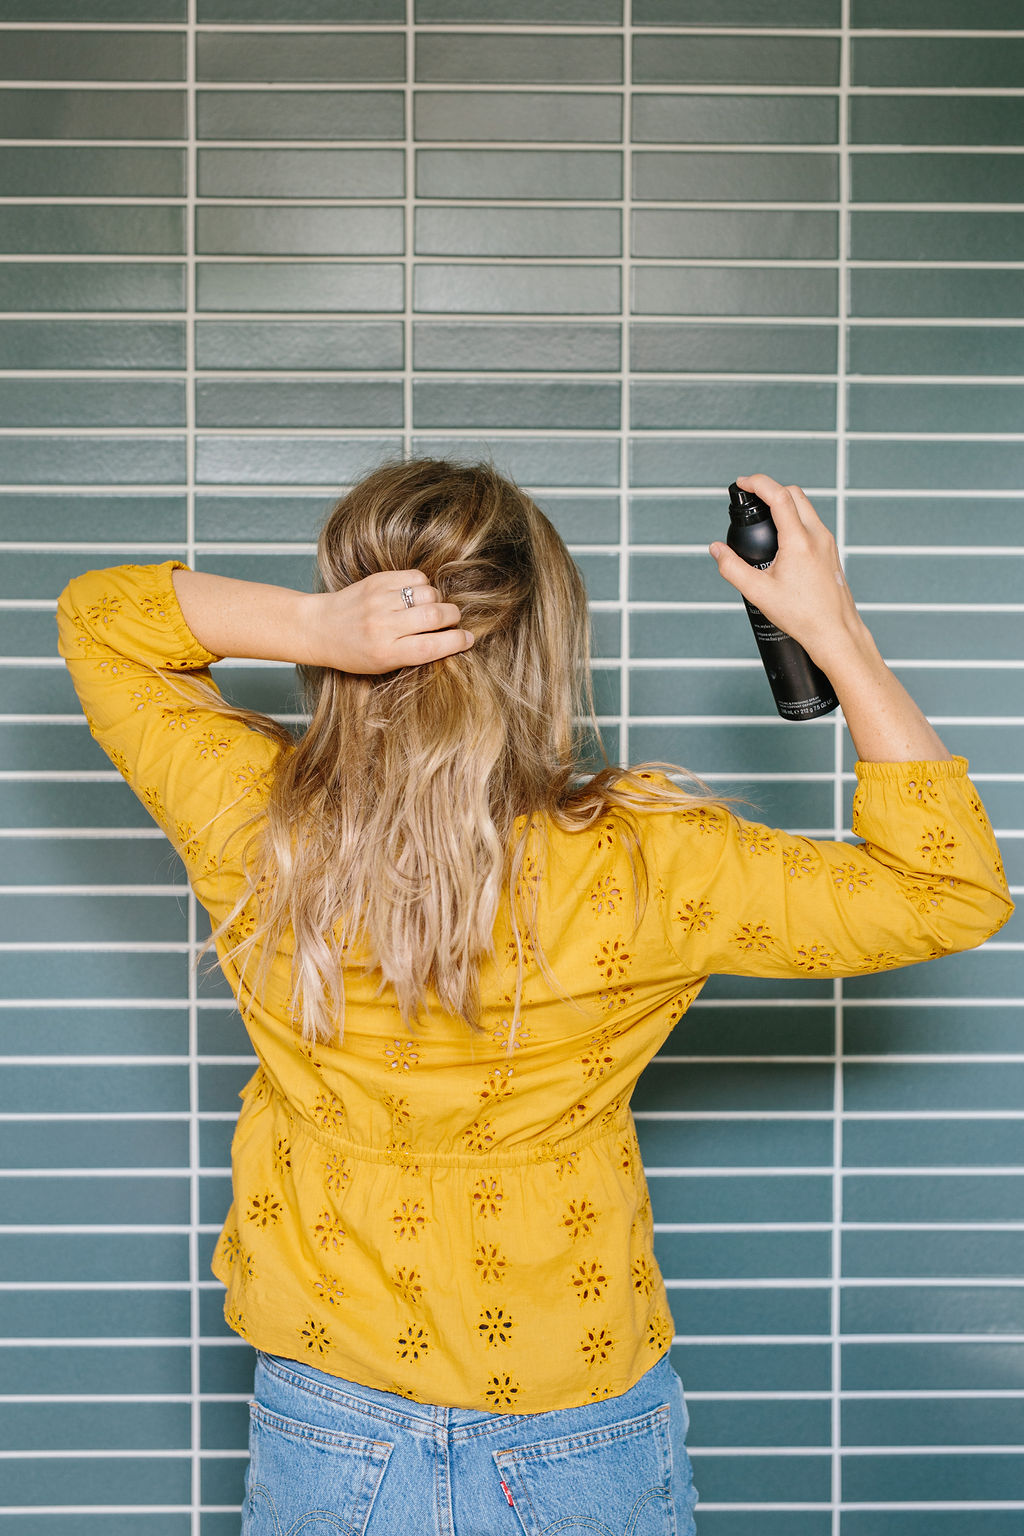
{"points": [[926, 880], [201, 774]]}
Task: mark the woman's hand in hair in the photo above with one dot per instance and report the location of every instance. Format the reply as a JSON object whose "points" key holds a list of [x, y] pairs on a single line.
{"points": [[369, 627], [366, 627]]}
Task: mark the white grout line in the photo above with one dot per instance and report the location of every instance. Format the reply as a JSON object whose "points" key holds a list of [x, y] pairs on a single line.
{"points": [[409, 226], [195, 1156], [622, 755]]}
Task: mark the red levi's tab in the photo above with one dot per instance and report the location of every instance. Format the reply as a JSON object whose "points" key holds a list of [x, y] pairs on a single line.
{"points": [[505, 1490]]}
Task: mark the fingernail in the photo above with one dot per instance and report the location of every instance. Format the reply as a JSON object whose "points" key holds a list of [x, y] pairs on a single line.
{"points": [[470, 638], [715, 550]]}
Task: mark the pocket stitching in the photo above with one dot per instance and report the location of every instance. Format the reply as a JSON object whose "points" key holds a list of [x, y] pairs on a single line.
{"points": [[378, 1450], [565, 1444]]}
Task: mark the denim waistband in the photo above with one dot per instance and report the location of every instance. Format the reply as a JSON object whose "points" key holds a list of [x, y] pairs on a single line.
{"points": [[456, 1423]]}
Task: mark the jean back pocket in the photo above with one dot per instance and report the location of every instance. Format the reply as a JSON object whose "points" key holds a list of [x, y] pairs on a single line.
{"points": [[308, 1481], [611, 1481]]}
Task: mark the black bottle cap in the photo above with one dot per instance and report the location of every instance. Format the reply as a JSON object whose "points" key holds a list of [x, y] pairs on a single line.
{"points": [[745, 507]]}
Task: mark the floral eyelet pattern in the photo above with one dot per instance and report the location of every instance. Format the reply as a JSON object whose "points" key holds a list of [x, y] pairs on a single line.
{"points": [[413, 1342], [660, 1332], [754, 937], [921, 791], [495, 1326], [401, 1055], [490, 1263], [815, 959], [409, 1285], [938, 847], [613, 960], [327, 1288], [589, 1280], [596, 1345], [337, 1173], [580, 1219], [605, 896], [488, 1197], [211, 745], [695, 916], [500, 1084], [409, 1220], [264, 1210], [501, 1392], [755, 840], [105, 610], [328, 1112], [797, 860], [479, 1136], [598, 1057], [851, 878], [328, 1232]]}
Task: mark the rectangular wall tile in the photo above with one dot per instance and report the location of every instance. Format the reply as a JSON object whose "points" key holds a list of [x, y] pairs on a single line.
{"points": [[332, 57], [288, 173], [937, 61], [478, 344], [491, 117], [91, 171], [296, 114], [747, 290], [538, 58], [83, 285], [726, 119], [507, 289], [92, 114], [752, 233], [564, 175], [678, 176], [706, 60], [505, 232]]}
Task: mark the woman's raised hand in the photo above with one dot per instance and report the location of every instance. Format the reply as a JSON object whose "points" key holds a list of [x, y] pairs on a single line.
{"points": [[804, 590], [390, 619]]}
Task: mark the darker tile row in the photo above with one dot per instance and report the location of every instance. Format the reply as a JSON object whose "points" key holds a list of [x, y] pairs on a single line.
{"points": [[804, 14], [579, 57], [96, 112]]}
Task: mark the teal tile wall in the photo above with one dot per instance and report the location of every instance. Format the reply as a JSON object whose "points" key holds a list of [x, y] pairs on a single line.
{"points": [[629, 248]]}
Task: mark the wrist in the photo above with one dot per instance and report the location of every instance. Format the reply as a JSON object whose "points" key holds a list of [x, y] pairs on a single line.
{"points": [[849, 648], [309, 642]]}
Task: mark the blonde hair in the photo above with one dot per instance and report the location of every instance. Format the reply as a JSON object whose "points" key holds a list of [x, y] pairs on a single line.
{"points": [[389, 836]]}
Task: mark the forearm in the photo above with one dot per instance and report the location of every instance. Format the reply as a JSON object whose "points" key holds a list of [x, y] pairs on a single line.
{"points": [[388, 620], [884, 722], [244, 618]]}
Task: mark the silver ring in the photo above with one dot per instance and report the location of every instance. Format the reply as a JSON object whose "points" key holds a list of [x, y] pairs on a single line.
{"points": [[407, 597]]}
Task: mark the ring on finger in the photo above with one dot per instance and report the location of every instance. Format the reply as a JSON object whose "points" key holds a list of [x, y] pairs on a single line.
{"points": [[408, 597]]}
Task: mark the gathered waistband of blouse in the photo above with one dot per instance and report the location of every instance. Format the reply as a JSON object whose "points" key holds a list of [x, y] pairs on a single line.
{"points": [[404, 1156]]}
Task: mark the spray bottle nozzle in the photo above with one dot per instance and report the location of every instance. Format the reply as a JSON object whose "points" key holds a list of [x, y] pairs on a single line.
{"points": [[745, 507]]}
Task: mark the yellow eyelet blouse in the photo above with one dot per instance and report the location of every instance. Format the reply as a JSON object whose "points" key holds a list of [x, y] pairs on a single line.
{"points": [[427, 1212]]}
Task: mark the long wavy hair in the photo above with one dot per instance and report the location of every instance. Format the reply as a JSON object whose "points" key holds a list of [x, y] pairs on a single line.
{"points": [[390, 835]]}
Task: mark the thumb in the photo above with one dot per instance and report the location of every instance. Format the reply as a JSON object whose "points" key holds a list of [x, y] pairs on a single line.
{"points": [[735, 570]]}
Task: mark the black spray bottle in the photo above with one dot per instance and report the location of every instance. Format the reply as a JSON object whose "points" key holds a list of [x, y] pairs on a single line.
{"points": [[802, 691]]}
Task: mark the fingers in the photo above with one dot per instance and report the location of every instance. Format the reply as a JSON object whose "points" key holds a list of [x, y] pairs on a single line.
{"points": [[433, 645], [788, 512], [736, 571], [425, 630]]}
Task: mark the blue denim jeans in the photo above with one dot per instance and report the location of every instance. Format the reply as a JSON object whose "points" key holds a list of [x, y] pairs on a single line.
{"points": [[331, 1458]]}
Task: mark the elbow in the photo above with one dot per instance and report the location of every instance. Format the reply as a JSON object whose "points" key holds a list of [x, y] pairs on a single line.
{"points": [[975, 924]]}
